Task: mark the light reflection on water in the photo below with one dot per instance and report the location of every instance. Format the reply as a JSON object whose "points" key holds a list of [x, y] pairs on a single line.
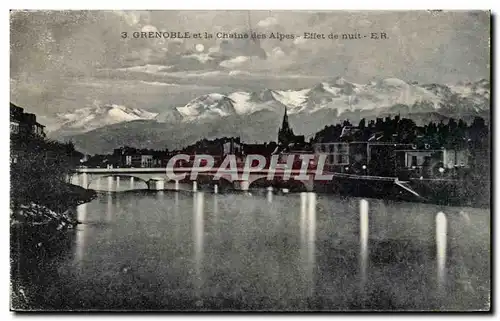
{"points": [[269, 196], [308, 238], [441, 240], [81, 215], [363, 240], [109, 207], [198, 238], [311, 241], [298, 249]]}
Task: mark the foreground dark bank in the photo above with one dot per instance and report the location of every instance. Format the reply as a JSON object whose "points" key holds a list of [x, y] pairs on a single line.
{"points": [[41, 220], [57, 197]]}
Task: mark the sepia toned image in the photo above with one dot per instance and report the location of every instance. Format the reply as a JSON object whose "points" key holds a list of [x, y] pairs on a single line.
{"points": [[219, 160]]}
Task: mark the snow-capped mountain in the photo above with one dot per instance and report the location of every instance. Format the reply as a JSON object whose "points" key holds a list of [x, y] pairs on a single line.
{"points": [[256, 116], [208, 106], [170, 115], [89, 118], [248, 103], [470, 96], [309, 109], [343, 96]]}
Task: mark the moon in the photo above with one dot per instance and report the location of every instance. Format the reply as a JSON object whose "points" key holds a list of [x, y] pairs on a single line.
{"points": [[199, 47]]}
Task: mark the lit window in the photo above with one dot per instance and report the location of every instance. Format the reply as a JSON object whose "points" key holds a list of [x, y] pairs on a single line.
{"points": [[14, 128]]}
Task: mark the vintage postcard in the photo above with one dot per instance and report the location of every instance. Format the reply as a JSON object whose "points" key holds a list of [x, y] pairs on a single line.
{"points": [[250, 160]]}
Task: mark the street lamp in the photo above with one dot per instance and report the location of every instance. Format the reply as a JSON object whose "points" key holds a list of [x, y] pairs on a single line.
{"points": [[441, 170]]}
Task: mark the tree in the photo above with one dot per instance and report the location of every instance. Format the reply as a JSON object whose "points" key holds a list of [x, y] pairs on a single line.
{"points": [[362, 124]]}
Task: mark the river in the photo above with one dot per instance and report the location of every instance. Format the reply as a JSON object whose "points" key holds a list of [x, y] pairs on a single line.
{"points": [[263, 251]]}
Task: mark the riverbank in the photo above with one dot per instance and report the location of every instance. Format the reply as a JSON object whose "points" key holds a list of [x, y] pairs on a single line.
{"points": [[48, 206], [41, 218], [58, 196]]}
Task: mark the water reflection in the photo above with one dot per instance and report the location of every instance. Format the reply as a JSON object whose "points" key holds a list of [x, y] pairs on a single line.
{"points": [[110, 183], [269, 195], [176, 217], [109, 207], [117, 198], [441, 249], [215, 209], [256, 254], [303, 216], [308, 237], [81, 214], [311, 219], [363, 239], [198, 238]]}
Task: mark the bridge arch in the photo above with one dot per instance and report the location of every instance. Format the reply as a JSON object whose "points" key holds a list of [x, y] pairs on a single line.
{"points": [[291, 184], [261, 182], [207, 180]]}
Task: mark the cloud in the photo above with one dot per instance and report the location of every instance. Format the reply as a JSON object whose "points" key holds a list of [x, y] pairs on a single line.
{"points": [[268, 22], [237, 73], [299, 41], [277, 53], [158, 83], [364, 23], [238, 47], [201, 57], [149, 28], [276, 59], [151, 69], [234, 62], [131, 18]]}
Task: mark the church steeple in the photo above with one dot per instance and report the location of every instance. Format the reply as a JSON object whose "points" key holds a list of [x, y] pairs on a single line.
{"points": [[284, 125], [285, 133]]}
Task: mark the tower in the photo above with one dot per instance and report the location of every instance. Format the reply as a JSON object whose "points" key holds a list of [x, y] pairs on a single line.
{"points": [[285, 133]]}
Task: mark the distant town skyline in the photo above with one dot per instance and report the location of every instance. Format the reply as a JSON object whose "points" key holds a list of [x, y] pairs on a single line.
{"points": [[65, 60]]}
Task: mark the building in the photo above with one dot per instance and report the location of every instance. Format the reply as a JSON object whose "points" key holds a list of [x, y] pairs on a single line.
{"points": [[147, 161], [259, 149], [286, 136], [24, 124], [231, 147], [367, 158], [132, 157], [337, 154], [350, 133], [427, 163]]}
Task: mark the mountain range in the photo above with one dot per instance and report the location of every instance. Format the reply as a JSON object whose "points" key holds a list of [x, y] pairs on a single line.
{"points": [[90, 118], [256, 116]]}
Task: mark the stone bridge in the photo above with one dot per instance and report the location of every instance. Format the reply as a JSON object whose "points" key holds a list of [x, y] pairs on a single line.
{"points": [[157, 178]]}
